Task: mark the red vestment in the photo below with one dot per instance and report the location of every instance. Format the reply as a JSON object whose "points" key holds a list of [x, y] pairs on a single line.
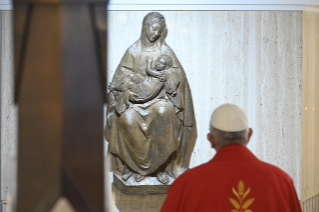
{"points": [[233, 181]]}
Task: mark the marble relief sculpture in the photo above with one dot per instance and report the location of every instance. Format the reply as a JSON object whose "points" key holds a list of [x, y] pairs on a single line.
{"points": [[150, 112]]}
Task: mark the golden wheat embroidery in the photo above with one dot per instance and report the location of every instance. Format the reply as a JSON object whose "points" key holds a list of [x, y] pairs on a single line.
{"points": [[241, 205]]}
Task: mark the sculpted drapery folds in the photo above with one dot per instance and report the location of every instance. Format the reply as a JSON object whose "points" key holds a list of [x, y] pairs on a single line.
{"points": [[150, 112]]}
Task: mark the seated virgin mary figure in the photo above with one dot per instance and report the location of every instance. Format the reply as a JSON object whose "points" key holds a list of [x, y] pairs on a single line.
{"points": [[150, 111]]}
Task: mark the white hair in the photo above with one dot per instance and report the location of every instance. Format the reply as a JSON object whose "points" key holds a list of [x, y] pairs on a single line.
{"points": [[223, 138]]}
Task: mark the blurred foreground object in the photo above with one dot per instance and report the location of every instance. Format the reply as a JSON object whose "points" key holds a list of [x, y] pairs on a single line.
{"points": [[60, 53]]}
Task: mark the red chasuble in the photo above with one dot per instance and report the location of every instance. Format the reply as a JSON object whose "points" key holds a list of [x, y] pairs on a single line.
{"points": [[233, 181]]}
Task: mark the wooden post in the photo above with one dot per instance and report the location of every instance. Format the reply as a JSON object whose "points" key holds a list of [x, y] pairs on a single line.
{"points": [[60, 53]]}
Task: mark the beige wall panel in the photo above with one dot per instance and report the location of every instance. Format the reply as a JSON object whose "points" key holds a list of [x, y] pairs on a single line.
{"points": [[310, 103], [8, 110], [250, 58], [310, 204]]}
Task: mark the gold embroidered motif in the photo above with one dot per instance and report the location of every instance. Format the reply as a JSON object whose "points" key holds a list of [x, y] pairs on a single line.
{"points": [[241, 206]]}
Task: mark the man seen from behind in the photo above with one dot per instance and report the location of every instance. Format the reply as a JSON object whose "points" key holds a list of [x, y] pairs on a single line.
{"points": [[234, 180]]}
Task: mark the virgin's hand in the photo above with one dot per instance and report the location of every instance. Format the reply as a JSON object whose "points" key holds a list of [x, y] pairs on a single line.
{"points": [[161, 76], [135, 98]]}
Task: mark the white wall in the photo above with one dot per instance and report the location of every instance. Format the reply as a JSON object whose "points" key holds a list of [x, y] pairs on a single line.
{"points": [[8, 112], [249, 58]]}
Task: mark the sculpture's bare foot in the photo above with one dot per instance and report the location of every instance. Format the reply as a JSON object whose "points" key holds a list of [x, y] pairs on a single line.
{"points": [[162, 177], [127, 175], [139, 177]]}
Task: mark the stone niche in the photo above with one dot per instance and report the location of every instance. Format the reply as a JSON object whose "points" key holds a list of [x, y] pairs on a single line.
{"points": [[249, 58]]}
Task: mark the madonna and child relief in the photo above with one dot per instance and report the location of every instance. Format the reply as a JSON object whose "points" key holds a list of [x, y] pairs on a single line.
{"points": [[150, 114]]}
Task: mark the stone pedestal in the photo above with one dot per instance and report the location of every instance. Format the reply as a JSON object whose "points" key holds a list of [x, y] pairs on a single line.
{"points": [[138, 203]]}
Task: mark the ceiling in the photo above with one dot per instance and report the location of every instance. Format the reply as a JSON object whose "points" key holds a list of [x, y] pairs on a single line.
{"points": [[211, 4], [298, 5], [218, 2]]}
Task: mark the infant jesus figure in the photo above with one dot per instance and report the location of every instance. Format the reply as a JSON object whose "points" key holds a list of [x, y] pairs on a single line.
{"points": [[138, 89]]}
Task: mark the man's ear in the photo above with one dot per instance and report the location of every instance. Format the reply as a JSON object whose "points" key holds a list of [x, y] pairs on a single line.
{"points": [[211, 139], [250, 132]]}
